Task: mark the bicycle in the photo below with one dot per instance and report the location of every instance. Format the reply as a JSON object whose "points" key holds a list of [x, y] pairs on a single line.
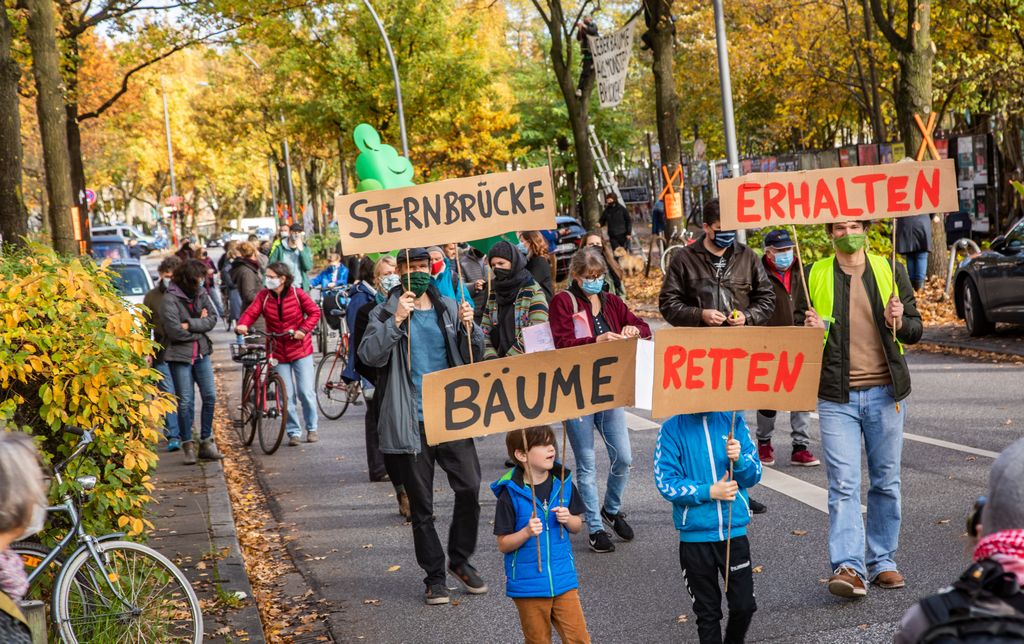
{"points": [[334, 300], [109, 589], [333, 393], [264, 395]]}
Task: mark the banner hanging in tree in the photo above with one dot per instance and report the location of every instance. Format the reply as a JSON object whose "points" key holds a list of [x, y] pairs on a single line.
{"points": [[445, 211], [701, 370], [501, 395], [611, 63], [838, 194]]}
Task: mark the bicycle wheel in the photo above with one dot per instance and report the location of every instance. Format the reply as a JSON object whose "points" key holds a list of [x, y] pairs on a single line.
{"points": [[321, 335], [331, 392], [272, 415], [32, 555], [133, 594], [244, 424], [666, 259]]}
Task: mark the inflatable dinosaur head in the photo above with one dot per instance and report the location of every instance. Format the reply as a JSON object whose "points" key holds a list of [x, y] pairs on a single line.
{"points": [[378, 165]]}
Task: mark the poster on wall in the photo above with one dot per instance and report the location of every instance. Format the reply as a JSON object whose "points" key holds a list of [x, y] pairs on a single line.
{"points": [[899, 151], [867, 154], [885, 153], [980, 159], [942, 147]]}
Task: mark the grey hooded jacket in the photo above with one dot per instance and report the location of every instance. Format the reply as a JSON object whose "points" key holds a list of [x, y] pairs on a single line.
{"points": [[185, 345], [385, 347]]}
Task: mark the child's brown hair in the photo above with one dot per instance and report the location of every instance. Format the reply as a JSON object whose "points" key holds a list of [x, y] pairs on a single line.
{"points": [[539, 435]]}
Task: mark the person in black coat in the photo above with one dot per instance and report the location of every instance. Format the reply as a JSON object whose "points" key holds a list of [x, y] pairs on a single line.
{"points": [[914, 242], [616, 217]]}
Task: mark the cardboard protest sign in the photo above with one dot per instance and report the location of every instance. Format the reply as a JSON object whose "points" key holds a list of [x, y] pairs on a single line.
{"points": [[498, 396], [838, 194], [722, 369], [611, 63], [445, 211]]}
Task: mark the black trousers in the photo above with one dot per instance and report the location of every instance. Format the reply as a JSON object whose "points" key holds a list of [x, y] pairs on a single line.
{"points": [[702, 563], [618, 241], [374, 458], [586, 73], [459, 461]]}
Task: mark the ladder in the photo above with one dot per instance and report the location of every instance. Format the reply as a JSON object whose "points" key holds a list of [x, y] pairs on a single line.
{"points": [[605, 177]]}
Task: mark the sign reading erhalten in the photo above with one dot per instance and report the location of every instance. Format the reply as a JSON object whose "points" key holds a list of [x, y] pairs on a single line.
{"points": [[837, 194], [445, 211], [531, 389], [700, 369]]}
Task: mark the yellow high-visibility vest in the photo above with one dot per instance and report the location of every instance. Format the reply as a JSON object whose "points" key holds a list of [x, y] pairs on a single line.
{"points": [[821, 285]]}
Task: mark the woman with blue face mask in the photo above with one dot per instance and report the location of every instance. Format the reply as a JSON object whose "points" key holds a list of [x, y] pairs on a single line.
{"points": [[581, 315]]}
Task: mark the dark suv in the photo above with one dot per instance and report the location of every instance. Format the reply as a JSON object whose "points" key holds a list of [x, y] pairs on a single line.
{"points": [[566, 240], [989, 287]]}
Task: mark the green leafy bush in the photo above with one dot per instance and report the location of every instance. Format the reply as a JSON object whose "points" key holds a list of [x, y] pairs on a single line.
{"points": [[71, 353]]}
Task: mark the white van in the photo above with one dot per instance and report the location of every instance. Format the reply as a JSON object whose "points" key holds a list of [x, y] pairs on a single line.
{"points": [[145, 242]]}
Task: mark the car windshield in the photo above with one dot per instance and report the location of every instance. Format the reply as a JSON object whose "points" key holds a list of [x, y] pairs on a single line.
{"points": [[130, 280], [109, 250]]}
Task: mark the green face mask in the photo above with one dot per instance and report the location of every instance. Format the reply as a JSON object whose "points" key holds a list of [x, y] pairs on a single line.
{"points": [[850, 243], [416, 282]]}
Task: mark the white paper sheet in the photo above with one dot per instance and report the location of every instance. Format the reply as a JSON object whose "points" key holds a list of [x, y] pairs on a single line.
{"points": [[538, 338], [644, 374]]}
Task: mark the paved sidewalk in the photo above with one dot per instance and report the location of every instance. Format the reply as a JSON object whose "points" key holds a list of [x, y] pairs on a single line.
{"points": [[1008, 339], [196, 529]]}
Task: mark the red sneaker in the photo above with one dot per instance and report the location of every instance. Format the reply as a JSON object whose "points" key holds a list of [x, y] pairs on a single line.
{"points": [[804, 458], [765, 452]]}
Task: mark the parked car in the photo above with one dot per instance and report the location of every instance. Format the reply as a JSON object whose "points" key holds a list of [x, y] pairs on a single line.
{"points": [[145, 243], [113, 247], [132, 280], [989, 287], [569, 235]]}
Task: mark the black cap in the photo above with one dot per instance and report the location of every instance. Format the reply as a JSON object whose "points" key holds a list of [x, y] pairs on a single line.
{"points": [[412, 255], [778, 239]]}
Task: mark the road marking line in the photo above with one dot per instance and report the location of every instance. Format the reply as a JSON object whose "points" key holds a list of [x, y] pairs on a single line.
{"points": [[794, 488], [948, 445]]}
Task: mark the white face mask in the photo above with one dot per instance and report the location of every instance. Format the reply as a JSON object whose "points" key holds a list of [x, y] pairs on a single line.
{"points": [[165, 282], [35, 525], [272, 283]]}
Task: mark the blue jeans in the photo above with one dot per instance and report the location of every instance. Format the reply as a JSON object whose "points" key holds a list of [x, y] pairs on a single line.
{"points": [[917, 266], [166, 385], [611, 425], [298, 377], [186, 376], [871, 413]]}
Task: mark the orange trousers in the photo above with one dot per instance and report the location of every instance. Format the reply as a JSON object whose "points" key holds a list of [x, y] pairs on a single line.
{"points": [[537, 614]]}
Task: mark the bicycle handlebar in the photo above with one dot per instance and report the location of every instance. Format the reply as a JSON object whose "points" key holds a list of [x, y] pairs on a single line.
{"points": [[258, 333]]}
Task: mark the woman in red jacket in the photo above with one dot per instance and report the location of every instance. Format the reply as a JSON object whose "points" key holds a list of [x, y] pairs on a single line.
{"points": [[581, 315], [288, 309]]}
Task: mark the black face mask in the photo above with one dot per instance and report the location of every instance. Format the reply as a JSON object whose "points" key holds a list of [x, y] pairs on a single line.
{"points": [[502, 274]]}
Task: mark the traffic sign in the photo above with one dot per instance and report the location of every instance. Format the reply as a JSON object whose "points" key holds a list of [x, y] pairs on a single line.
{"points": [[90, 197]]}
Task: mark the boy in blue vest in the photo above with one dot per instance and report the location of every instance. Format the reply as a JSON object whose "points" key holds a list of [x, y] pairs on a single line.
{"points": [[691, 470], [545, 594]]}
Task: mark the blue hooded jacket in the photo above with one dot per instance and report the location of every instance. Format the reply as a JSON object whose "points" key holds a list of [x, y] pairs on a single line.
{"points": [[689, 458], [558, 570], [447, 283]]}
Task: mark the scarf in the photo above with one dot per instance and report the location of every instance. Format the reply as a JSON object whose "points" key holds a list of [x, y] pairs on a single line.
{"points": [[1005, 547], [13, 581], [506, 291]]}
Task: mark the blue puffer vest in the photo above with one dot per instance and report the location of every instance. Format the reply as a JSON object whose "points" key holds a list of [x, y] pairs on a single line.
{"points": [[558, 570]]}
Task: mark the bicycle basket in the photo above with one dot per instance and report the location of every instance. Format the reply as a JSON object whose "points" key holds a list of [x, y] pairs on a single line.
{"points": [[248, 354]]}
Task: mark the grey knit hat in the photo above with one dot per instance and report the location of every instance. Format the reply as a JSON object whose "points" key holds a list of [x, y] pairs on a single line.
{"points": [[1004, 509]]}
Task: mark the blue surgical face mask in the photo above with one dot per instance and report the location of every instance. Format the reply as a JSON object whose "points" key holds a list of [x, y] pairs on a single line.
{"points": [[522, 248], [592, 286], [724, 238], [783, 259]]}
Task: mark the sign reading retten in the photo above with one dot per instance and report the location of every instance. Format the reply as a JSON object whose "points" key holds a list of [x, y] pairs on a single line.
{"points": [[498, 396], [445, 211], [611, 63], [838, 194], [701, 370]]}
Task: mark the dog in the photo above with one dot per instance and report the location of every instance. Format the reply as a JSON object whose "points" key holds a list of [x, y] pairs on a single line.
{"points": [[630, 264]]}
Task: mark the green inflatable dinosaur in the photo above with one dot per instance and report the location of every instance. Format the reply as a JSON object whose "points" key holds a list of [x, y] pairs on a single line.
{"points": [[379, 166]]}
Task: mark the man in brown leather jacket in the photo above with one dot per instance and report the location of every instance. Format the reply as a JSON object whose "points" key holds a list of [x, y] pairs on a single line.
{"points": [[716, 281]]}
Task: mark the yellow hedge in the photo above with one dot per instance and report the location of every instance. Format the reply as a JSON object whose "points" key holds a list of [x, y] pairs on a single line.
{"points": [[71, 353]]}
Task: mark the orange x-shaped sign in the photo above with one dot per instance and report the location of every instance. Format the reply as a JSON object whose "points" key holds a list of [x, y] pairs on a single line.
{"points": [[927, 143], [670, 181]]}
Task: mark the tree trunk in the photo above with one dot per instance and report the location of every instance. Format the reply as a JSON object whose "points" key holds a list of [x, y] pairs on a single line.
{"points": [[877, 122], [13, 216], [313, 189], [42, 38], [78, 185], [666, 103]]}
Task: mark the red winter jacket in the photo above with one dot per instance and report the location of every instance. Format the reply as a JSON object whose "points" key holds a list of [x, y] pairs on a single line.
{"points": [[616, 314], [293, 310]]}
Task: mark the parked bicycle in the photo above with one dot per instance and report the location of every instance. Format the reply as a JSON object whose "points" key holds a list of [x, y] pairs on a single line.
{"points": [[333, 303], [108, 589], [264, 404], [333, 393]]}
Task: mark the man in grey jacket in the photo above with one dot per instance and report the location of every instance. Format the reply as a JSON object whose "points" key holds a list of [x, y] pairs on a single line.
{"points": [[414, 332]]}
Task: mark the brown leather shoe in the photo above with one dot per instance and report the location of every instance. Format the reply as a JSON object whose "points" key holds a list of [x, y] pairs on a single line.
{"points": [[403, 506], [889, 579], [846, 583]]}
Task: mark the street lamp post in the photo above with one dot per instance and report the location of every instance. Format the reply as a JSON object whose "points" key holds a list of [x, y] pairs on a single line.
{"points": [[170, 166], [394, 72], [725, 82]]}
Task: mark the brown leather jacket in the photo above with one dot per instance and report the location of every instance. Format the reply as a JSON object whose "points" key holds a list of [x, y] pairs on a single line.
{"points": [[694, 284]]}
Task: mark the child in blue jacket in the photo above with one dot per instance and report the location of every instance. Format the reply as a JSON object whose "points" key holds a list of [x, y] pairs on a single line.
{"points": [[691, 470], [545, 595]]}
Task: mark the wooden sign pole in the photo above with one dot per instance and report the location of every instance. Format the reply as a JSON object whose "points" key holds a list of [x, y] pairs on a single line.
{"points": [[800, 261], [561, 491], [462, 294], [533, 492], [728, 541]]}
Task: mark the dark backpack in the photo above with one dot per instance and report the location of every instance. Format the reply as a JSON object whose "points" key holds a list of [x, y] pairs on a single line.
{"points": [[985, 606]]}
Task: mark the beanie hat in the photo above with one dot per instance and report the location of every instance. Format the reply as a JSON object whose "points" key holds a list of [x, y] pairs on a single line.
{"points": [[1004, 509], [502, 249]]}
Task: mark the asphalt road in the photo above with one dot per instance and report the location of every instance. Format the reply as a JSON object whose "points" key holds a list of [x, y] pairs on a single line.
{"points": [[346, 533]]}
